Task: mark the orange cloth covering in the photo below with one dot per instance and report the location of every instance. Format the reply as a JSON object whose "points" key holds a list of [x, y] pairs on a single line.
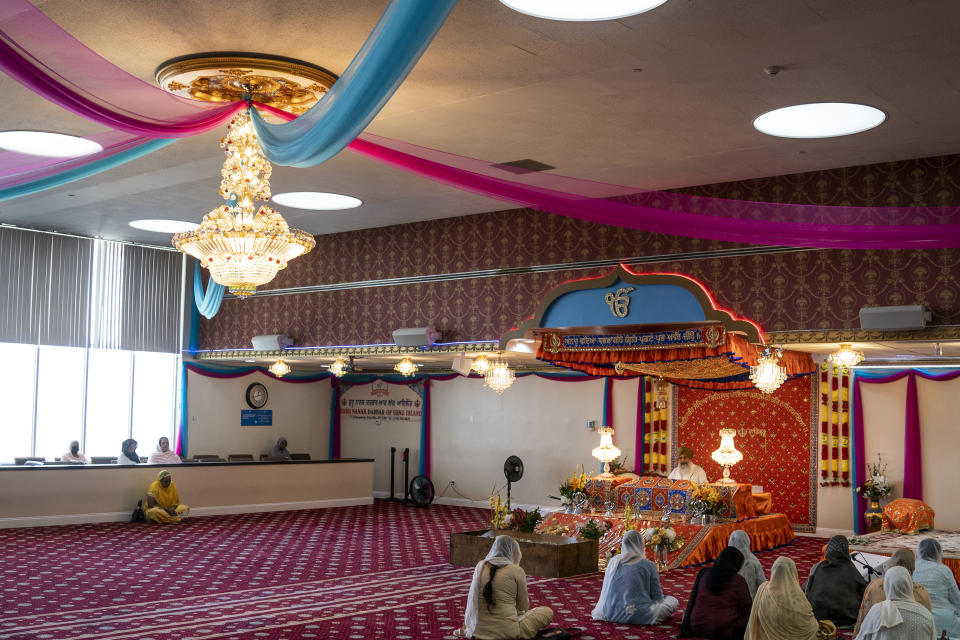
{"points": [[703, 542], [907, 516], [763, 503]]}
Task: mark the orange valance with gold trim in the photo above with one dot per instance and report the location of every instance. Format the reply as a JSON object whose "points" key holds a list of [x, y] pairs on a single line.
{"points": [[707, 358]]}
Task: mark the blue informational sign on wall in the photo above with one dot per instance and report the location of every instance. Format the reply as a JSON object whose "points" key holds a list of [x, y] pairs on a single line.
{"points": [[256, 417]]}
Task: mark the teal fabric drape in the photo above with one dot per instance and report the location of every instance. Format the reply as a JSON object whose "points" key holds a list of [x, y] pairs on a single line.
{"points": [[404, 32], [208, 303]]}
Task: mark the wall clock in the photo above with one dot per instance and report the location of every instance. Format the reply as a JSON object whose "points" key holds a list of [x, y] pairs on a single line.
{"points": [[256, 395]]}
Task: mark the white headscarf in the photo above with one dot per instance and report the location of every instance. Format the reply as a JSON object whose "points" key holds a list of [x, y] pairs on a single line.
{"points": [[505, 551], [632, 551], [741, 541], [898, 587], [929, 549]]}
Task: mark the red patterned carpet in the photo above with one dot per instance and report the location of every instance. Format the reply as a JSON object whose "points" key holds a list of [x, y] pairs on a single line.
{"points": [[376, 571]]}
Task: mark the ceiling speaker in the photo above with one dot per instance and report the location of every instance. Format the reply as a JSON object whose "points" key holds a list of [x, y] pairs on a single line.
{"points": [[462, 364]]}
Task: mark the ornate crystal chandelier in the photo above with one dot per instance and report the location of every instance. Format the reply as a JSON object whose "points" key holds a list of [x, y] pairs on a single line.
{"points": [[406, 367], [499, 376], [768, 375], [846, 356], [481, 364], [279, 368], [727, 455], [244, 247], [339, 367], [607, 452]]}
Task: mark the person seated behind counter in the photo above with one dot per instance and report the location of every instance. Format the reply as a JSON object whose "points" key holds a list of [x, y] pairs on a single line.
{"points": [[686, 470], [74, 455], [163, 455], [279, 451], [128, 452], [163, 501]]}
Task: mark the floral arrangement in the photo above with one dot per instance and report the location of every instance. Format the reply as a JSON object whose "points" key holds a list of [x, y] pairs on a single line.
{"points": [[570, 486], [556, 530], [705, 499], [500, 515], [663, 538], [875, 486], [592, 531], [526, 521]]}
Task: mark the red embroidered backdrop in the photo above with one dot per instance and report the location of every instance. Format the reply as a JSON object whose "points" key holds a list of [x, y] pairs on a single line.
{"points": [[776, 434]]}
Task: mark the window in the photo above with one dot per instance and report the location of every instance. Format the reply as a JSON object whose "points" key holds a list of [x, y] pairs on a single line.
{"points": [[60, 377], [17, 380], [154, 399], [108, 401]]}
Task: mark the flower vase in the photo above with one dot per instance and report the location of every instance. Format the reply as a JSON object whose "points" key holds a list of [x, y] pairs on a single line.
{"points": [[660, 554], [872, 517]]}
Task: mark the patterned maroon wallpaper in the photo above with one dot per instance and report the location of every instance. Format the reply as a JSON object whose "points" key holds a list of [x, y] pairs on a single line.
{"points": [[808, 289]]}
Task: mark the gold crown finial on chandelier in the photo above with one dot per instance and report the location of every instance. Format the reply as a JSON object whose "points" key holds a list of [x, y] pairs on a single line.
{"points": [[244, 247]]}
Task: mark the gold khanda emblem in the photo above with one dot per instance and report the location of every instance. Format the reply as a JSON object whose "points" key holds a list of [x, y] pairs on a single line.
{"points": [[619, 303]]}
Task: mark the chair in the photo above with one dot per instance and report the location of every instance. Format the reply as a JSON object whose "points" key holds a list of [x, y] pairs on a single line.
{"points": [[103, 459], [201, 456], [299, 456], [23, 461], [263, 457], [240, 457], [210, 459]]}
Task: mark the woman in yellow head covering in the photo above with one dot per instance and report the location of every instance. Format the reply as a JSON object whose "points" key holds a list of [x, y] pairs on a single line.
{"points": [[163, 500]]}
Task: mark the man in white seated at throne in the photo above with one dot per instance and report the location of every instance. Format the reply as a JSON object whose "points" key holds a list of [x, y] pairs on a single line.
{"points": [[686, 470]]}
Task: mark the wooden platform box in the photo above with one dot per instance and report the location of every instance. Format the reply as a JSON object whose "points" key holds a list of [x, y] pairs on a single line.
{"points": [[543, 555]]}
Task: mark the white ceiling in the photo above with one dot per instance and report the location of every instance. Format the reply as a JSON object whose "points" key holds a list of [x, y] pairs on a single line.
{"points": [[664, 99]]}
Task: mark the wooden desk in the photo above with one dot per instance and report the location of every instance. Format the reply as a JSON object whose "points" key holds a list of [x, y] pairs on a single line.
{"points": [[39, 496]]}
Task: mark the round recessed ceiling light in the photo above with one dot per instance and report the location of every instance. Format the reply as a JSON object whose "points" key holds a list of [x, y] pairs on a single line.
{"points": [[164, 226], [819, 120], [581, 10], [49, 145], [316, 200]]}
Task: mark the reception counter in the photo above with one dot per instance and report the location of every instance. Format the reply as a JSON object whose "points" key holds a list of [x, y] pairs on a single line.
{"points": [[54, 495]]}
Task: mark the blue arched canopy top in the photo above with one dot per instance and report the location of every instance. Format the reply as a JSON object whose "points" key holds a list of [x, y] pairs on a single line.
{"points": [[628, 299]]}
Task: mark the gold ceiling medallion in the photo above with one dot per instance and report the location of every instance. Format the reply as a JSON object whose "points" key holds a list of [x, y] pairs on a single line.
{"points": [[284, 83]]}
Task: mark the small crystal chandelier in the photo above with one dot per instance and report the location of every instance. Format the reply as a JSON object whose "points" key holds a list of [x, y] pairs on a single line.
{"points": [[727, 455], [499, 376], [660, 393], [768, 375], [279, 368], [406, 367], [339, 367], [244, 247], [607, 452], [846, 356], [481, 364]]}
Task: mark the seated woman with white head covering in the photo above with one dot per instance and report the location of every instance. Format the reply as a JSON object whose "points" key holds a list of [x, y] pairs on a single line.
{"points": [[780, 610], [631, 592], [940, 583], [497, 605], [279, 450], [163, 455], [899, 617], [752, 570], [875, 593]]}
